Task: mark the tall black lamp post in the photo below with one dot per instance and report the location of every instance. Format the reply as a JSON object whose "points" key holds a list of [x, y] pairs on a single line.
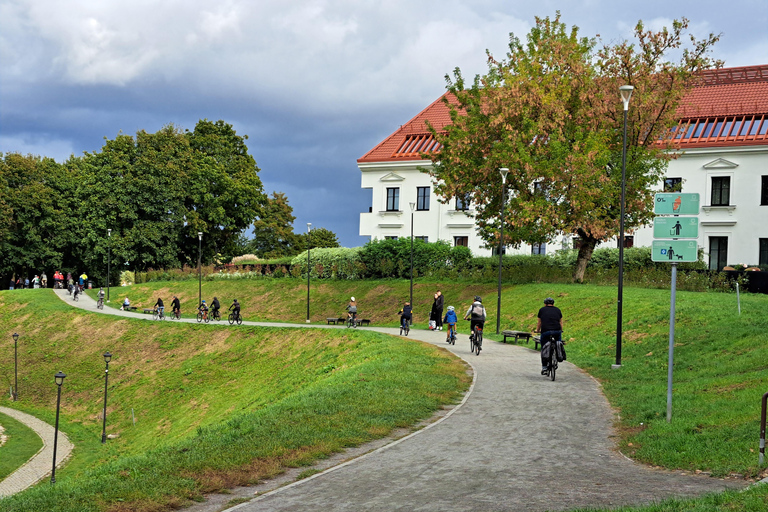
{"points": [[413, 207], [15, 367], [109, 258], [503, 171], [107, 359], [59, 379], [626, 93], [200, 269], [309, 246]]}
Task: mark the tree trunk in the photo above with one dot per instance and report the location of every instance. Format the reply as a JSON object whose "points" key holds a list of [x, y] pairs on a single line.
{"points": [[585, 254]]}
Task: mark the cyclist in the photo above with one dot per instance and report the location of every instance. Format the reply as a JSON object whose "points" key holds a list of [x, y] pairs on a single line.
{"points": [[159, 306], [450, 319], [406, 315], [101, 295], [203, 308], [76, 293], [176, 307], [550, 325], [215, 306], [352, 309], [476, 315], [235, 308]]}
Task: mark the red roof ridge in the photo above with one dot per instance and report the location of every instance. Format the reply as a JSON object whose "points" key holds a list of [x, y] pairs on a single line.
{"points": [[735, 75]]}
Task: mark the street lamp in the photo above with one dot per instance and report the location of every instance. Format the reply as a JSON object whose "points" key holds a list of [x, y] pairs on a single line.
{"points": [[15, 367], [626, 93], [59, 379], [309, 246], [503, 171], [109, 258], [107, 359], [200, 269], [413, 207]]}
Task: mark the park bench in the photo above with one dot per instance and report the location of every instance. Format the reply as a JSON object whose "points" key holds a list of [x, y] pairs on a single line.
{"points": [[364, 321], [148, 310], [335, 320], [518, 335], [536, 342], [130, 308]]}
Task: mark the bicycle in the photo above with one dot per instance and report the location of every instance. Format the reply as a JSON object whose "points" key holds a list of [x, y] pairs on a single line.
{"points": [[235, 317], [552, 361], [100, 304], [451, 334], [215, 315], [158, 314], [405, 327], [352, 321], [76, 298], [176, 314], [203, 316], [476, 340]]}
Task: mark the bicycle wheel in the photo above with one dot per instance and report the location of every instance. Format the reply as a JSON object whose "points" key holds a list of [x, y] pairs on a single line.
{"points": [[199, 317], [231, 318], [206, 318], [77, 298], [239, 319], [155, 314], [552, 365]]}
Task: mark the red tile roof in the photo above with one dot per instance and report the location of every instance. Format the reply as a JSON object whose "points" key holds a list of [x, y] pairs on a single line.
{"points": [[739, 95]]}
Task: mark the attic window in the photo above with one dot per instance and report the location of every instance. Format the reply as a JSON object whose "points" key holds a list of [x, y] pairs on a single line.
{"points": [[720, 130], [417, 143]]}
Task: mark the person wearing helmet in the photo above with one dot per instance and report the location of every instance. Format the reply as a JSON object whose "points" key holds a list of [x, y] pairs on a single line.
{"points": [[215, 306], [176, 307], [235, 308], [476, 315], [203, 307], [550, 325], [352, 310], [450, 320]]}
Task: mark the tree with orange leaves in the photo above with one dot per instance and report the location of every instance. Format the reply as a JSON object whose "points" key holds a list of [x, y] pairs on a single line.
{"points": [[551, 113]]}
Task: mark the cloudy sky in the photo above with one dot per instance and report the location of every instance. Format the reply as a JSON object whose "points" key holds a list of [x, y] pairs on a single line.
{"points": [[314, 84]]}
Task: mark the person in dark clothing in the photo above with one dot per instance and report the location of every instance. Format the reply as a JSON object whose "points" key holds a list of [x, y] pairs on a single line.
{"points": [[159, 306], [437, 308], [215, 306], [235, 308], [550, 325], [406, 314], [176, 307]]}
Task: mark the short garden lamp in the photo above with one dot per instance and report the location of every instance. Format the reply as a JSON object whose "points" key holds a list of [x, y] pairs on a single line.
{"points": [[59, 379], [15, 367], [107, 359]]}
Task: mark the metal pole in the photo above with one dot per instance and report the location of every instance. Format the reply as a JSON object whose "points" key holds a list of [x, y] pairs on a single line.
{"points": [[309, 246], [621, 243], [503, 172], [411, 258], [762, 429], [104, 427], [738, 297], [670, 363], [59, 381], [200, 269], [109, 258], [15, 368]]}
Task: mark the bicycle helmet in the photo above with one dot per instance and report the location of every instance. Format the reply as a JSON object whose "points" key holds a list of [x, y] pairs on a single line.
{"points": [[478, 299], [352, 299], [549, 300], [203, 301], [450, 308]]}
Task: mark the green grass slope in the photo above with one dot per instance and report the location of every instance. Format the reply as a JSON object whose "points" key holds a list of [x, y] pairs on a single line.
{"points": [[214, 406], [21, 444]]}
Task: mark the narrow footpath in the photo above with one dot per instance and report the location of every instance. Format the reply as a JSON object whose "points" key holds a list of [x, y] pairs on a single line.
{"points": [[518, 442]]}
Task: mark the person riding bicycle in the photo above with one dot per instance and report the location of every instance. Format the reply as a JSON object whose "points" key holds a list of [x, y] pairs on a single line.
{"points": [[176, 306], [450, 319], [406, 315], [76, 293], [550, 325], [235, 308], [215, 307], [476, 315], [101, 294], [159, 306], [352, 309], [203, 308]]}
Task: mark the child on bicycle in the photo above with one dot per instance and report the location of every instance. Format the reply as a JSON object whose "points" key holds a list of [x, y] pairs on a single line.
{"points": [[451, 319], [101, 295], [406, 315], [476, 316], [352, 309], [203, 308], [235, 308]]}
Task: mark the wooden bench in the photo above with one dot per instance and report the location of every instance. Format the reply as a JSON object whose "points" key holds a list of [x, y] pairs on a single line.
{"points": [[335, 320], [536, 342], [364, 321], [518, 335], [130, 308]]}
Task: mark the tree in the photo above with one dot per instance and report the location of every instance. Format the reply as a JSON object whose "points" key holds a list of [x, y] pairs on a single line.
{"points": [[550, 112], [321, 238], [273, 231]]}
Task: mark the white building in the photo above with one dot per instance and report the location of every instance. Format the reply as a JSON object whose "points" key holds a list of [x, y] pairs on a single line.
{"points": [[723, 136]]}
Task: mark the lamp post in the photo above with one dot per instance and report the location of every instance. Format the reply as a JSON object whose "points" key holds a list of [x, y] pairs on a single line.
{"points": [[413, 207], [626, 93], [59, 379], [309, 246], [109, 258], [200, 269], [107, 359], [503, 171], [15, 367]]}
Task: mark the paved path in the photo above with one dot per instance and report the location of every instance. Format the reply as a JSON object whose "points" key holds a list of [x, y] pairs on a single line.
{"points": [[517, 442], [39, 466]]}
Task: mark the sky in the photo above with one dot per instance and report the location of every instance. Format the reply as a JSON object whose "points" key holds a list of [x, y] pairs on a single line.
{"points": [[314, 84]]}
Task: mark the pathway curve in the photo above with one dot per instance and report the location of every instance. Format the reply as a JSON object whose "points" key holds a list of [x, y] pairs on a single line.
{"points": [[518, 442], [39, 466]]}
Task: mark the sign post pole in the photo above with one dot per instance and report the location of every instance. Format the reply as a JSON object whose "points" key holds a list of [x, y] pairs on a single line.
{"points": [[671, 340]]}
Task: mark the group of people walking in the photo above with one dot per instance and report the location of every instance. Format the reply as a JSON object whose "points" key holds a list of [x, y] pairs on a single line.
{"points": [[41, 281]]}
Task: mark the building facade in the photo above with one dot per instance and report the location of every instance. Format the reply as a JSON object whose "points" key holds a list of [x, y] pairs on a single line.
{"points": [[723, 156]]}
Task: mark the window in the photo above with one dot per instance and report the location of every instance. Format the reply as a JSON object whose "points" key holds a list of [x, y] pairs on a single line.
{"points": [[495, 250], [422, 198], [393, 199], [721, 191], [763, 257], [462, 202], [673, 185], [422, 238], [539, 249], [718, 252], [764, 191], [462, 241], [629, 241], [390, 238]]}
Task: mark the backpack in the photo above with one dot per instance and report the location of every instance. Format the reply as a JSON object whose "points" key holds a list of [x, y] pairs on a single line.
{"points": [[477, 312], [560, 352]]}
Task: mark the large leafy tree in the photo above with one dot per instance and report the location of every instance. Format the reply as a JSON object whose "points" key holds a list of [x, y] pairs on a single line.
{"points": [[273, 235], [550, 112]]}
